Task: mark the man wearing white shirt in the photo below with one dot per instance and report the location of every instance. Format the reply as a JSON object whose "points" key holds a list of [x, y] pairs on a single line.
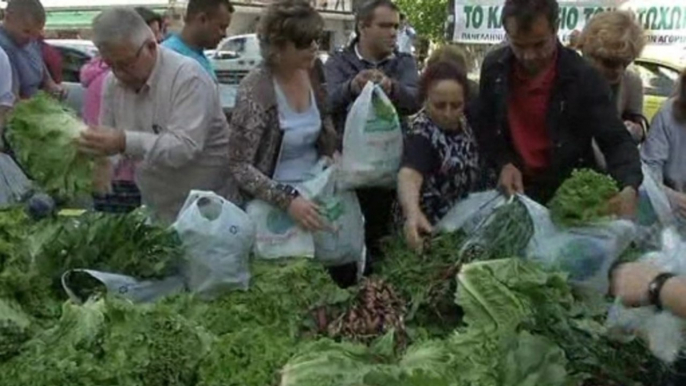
{"points": [[162, 109], [406, 36]]}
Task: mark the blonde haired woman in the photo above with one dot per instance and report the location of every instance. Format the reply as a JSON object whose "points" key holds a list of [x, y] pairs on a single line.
{"points": [[611, 41]]}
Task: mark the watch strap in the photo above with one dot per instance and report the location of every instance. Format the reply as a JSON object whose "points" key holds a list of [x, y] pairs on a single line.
{"points": [[655, 289], [290, 191]]}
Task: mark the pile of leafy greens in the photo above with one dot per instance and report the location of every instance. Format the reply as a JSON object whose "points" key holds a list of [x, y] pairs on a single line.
{"points": [[40, 253], [120, 243], [522, 326], [111, 342], [426, 282], [329, 363], [505, 298], [42, 133], [243, 338], [498, 322], [582, 199]]}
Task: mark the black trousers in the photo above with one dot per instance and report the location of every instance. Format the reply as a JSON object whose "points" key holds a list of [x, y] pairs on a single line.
{"points": [[377, 208]]}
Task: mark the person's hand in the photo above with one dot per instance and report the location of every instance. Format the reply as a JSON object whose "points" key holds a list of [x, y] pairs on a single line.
{"points": [[624, 204], [678, 201], [306, 214], [630, 283], [415, 227], [511, 181], [386, 85], [362, 78], [102, 141], [635, 129], [57, 91]]}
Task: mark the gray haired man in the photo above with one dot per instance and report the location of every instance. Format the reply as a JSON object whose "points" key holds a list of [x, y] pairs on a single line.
{"points": [[161, 109]]}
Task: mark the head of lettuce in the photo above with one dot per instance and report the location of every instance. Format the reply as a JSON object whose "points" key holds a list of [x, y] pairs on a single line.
{"points": [[43, 134]]}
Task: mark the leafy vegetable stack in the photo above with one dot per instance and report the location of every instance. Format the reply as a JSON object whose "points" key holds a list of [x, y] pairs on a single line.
{"points": [[427, 282], [582, 199], [525, 326], [124, 244], [111, 342], [42, 134]]}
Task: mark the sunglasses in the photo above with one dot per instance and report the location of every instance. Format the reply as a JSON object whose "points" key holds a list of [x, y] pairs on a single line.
{"points": [[612, 63], [305, 42]]}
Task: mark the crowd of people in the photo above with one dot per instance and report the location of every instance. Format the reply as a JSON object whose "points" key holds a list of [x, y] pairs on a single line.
{"points": [[539, 111]]}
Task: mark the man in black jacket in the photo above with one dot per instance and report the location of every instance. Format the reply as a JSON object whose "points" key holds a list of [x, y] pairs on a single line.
{"points": [[541, 105], [373, 56]]}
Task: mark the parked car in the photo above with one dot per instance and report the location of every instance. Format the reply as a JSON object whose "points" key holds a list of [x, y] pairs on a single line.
{"points": [[660, 79], [234, 57]]}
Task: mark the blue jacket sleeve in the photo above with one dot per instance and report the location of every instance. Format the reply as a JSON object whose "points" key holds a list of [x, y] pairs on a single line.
{"points": [[338, 80], [405, 96]]}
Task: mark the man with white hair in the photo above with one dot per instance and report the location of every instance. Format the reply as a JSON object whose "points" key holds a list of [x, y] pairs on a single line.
{"points": [[161, 109]]}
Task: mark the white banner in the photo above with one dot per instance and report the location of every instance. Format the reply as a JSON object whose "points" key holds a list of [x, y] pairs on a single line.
{"points": [[479, 21]]}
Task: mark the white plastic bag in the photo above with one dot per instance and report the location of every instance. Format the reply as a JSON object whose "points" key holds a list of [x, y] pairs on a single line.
{"points": [[662, 330], [372, 141], [217, 237], [343, 241], [277, 234]]}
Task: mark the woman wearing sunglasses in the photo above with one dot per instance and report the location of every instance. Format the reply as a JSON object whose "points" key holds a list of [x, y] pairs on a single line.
{"points": [[279, 126], [611, 41]]}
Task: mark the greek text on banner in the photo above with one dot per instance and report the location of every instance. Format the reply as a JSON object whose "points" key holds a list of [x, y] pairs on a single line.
{"points": [[479, 21]]}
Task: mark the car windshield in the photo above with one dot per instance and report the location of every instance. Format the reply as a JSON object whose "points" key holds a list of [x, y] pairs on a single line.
{"points": [[657, 80], [236, 45]]}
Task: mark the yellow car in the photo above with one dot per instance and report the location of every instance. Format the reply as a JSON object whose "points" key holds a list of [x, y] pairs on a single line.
{"points": [[659, 82]]}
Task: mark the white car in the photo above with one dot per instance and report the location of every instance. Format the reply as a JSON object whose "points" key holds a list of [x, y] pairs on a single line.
{"points": [[234, 57]]}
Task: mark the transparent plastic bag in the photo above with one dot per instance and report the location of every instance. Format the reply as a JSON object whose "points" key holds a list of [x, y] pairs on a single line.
{"points": [[470, 212], [662, 330], [585, 253]]}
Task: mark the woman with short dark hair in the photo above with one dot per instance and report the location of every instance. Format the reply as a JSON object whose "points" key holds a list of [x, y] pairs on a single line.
{"points": [[441, 163]]}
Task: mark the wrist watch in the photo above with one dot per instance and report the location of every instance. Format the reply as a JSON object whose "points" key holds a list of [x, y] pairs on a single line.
{"points": [[290, 191], [655, 288]]}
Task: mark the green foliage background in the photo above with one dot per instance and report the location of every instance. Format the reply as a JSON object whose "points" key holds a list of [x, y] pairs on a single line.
{"points": [[428, 17]]}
